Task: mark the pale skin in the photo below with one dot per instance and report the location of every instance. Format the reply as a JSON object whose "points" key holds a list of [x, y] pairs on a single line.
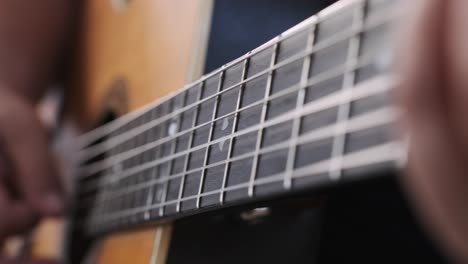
{"points": [[432, 61], [433, 64]]}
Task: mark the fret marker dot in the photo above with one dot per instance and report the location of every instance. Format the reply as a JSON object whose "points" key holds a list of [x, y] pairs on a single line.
{"points": [[221, 144], [225, 124], [172, 129], [159, 194]]}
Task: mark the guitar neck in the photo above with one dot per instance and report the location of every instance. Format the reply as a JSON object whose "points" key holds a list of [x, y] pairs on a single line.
{"points": [[307, 109]]}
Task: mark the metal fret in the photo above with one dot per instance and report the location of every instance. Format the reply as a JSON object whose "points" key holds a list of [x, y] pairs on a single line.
{"points": [[106, 192], [184, 172], [153, 173], [339, 142], [387, 152], [262, 121], [118, 170], [392, 150], [361, 123], [245, 131], [234, 125], [369, 120], [169, 169], [210, 135], [299, 106], [139, 159]]}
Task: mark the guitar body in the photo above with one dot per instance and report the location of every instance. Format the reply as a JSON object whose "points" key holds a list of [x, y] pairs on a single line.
{"points": [[124, 49]]}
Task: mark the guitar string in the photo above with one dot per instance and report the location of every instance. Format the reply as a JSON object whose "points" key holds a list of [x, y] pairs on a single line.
{"points": [[96, 167], [112, 142], [92, 187], [390, 151], [381, 117], [387, 152], [379, 85]]}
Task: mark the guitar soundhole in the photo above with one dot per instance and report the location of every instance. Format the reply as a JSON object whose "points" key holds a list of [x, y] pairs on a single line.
{"points": [[116, 100]]}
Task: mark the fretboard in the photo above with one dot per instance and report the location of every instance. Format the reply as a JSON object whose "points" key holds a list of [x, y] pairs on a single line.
{"points": [[308, 109]]}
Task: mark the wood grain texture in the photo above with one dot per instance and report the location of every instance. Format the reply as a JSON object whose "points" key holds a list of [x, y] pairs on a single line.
{"points": [[154, 46], [47, 239], [128, 247]]}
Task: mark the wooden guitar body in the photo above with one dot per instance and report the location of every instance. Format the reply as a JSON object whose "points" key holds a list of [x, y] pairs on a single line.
{"points": [[124, 49]]}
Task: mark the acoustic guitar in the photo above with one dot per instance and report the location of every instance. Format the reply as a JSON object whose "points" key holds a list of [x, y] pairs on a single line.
{"points": [[307, 110]]}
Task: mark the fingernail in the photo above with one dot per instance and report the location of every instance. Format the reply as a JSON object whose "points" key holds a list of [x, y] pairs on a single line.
{"points": [[53, 203]]}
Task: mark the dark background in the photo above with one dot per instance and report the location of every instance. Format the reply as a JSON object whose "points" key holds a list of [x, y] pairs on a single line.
{"points": [[358, 223]]}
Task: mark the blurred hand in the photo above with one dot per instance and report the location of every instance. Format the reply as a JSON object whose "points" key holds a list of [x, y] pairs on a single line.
{"points": [[29, 184], [433, 63]]}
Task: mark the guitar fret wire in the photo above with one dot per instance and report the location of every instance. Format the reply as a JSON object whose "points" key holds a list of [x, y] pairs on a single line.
{"points": [[146, 157], [210, 136], [258, 144], [96, 186], [233, 130], [321, 77], [142, 158], [169, 169], [386, 152], [383, 116], [94, 150], [118, 168], [321, 104], [339, 142], [315, 19], [334, 72], [390, 151], [109, 143], [153, 174], [299, 105], [187, 156], [128, 203], [105, 191]]}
